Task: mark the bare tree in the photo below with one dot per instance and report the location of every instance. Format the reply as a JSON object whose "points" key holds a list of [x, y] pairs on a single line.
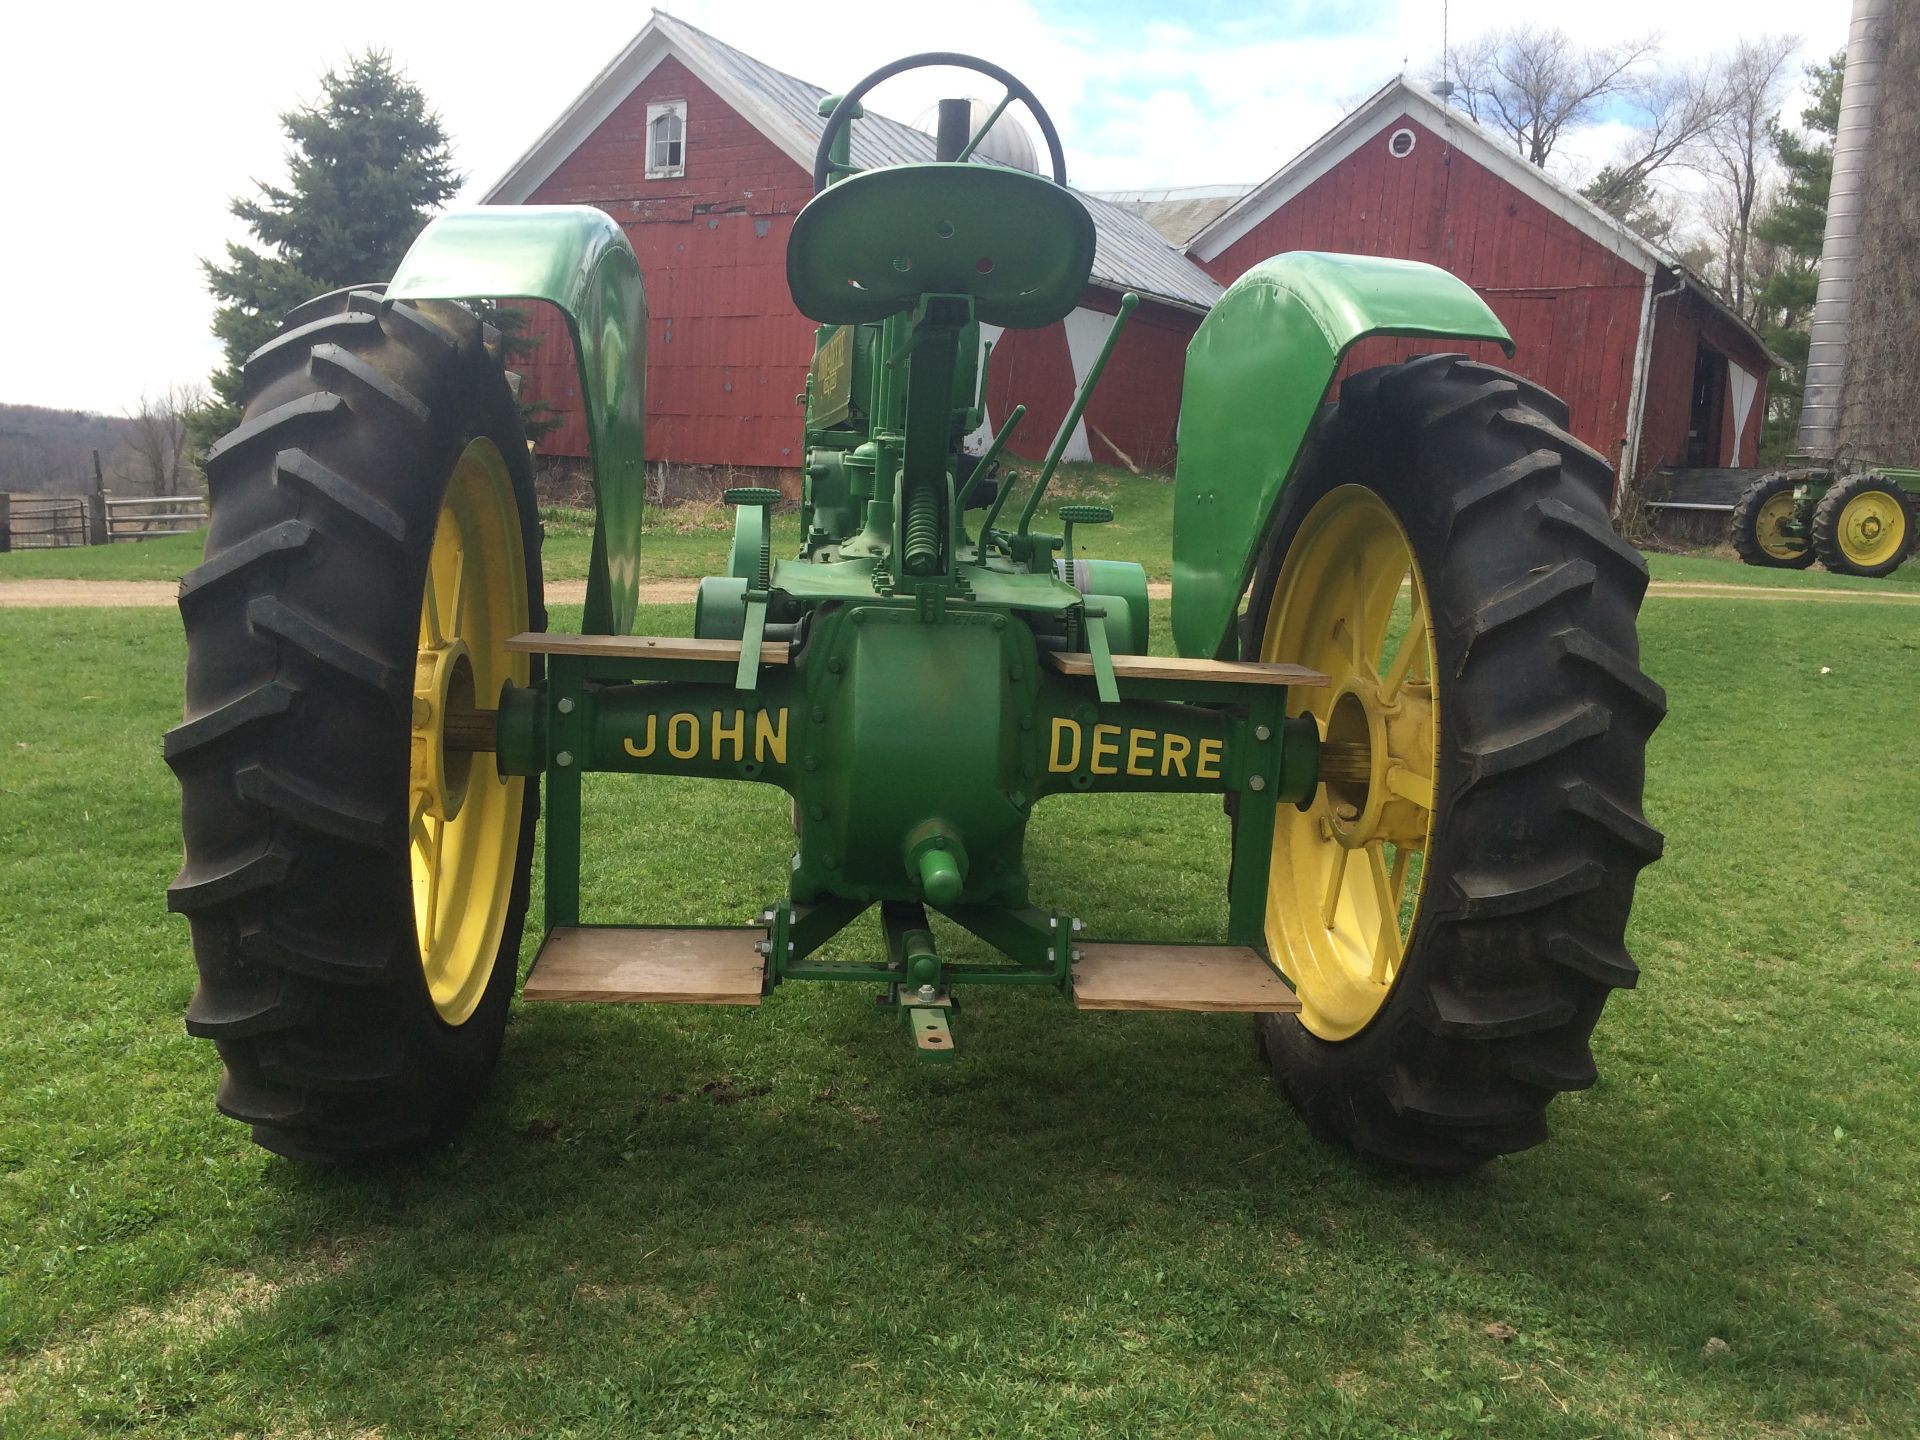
{"points": [[1736, 149], [1677, 110], [159, 454], [1531, 84]]}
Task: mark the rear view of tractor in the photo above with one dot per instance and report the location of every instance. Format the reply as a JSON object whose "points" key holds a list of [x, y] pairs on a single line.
{"points": [[1856, 523], [1406, 660]]}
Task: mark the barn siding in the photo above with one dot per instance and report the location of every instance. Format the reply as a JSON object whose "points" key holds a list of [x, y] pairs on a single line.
{"points": [[1571, 305], [726, 351]]}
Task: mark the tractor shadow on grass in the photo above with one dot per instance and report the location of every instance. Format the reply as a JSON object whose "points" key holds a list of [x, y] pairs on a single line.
{"points": [[675, 1202]]}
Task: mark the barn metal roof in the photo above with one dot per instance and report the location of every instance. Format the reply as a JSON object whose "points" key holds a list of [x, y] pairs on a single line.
{"points": [[1179, 212], [1129, 253]]}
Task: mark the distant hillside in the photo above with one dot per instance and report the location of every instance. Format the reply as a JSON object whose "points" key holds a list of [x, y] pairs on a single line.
{"points": [[52, 450]]}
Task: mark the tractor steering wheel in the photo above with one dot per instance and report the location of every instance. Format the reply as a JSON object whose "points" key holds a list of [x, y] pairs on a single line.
{"points": [[843, 112]]}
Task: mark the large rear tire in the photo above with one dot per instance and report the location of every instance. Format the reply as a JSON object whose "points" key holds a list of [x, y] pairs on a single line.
{"points": [[1763, 508], [1863, 525], [356, 877], [1451, 909]]}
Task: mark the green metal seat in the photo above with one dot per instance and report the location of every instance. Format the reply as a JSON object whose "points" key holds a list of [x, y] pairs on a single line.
{"points": [[871, 245]]}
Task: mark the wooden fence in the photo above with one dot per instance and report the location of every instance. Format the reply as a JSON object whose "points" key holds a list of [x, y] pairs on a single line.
{"points": [[45, 522]]}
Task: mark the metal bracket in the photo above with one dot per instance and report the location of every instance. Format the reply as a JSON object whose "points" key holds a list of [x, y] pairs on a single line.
{"points": [[932, 1036], [747, 676], [1103, 682]]}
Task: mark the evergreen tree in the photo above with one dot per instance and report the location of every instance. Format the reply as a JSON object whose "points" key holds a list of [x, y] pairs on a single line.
{"points": [[368, 166], [1628, 195], [1796, 224]]}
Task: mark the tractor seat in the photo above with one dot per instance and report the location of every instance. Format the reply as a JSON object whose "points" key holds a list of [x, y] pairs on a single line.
{"points": [[872, 244]]}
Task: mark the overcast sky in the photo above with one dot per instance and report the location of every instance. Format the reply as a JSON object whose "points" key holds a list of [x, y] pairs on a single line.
{"points": [[126, 128]]}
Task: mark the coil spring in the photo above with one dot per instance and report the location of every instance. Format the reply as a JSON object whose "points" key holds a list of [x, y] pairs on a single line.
{"points": [[923, 530]]}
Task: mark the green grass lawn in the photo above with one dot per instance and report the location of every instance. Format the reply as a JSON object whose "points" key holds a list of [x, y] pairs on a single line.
{"points": [[682, 1222], [1726, 569], [166, 557]]}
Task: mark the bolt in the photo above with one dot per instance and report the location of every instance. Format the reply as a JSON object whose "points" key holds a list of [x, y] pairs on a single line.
{"points": [[1026, 722], [1053, 922], [1078, 924], [763, 947], [819, 714], [1079, 954], [818, 812], [836, 664], [563, 759], [812, 761], [564, 706], [1256, 783], [999, 622], [1016, 672], [927, 992], [831, 863], [1261, 732]]}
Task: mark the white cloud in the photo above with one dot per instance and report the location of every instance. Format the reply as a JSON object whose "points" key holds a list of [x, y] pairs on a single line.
{"points": [[127, 128]]}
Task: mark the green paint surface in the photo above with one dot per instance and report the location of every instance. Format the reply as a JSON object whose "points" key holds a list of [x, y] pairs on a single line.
{"points": [[1257, 371]]}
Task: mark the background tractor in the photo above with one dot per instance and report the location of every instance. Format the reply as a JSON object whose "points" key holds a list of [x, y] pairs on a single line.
{"points": [[1406, 642], [1861, 523], [1856, 518]]}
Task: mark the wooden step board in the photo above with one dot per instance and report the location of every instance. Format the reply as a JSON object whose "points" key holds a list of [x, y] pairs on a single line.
{"points": [[1178, 977], [648, 964], [1190, 672], [643, 647]]}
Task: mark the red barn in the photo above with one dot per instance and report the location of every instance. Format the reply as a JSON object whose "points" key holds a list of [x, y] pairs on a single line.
{"points": [[704, 154], [1657, 370]]}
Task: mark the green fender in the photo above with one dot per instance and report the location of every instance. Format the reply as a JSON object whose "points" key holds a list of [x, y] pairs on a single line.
{"points": [[577, 258], [1257, 371]]}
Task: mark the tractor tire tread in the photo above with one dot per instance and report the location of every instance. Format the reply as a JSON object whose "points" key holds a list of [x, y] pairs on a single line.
{"points": [[299, 469], [1743, 529], [260, 548], [292, 749], [1545, 717]]}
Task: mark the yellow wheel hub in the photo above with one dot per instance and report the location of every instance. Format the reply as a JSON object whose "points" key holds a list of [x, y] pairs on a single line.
{"points": [[1872, 529], [1344, 890], [1767, 528], [464, 827]]}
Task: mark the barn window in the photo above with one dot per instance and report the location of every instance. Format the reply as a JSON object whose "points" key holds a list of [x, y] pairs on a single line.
{"points": [[1400, 143], [666, 139]]}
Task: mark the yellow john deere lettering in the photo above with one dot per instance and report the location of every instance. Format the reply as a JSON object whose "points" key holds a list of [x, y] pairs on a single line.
{"points": [[725, 731], [1148, 752]]}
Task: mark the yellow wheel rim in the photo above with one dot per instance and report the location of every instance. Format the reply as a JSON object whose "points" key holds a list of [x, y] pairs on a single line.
{"points": [[1347, 874], [1872, 529], [464, 827], [1767, 523]]}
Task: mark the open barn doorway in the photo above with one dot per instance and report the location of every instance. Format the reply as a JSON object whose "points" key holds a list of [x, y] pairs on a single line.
{"points": [[1706, 415]]}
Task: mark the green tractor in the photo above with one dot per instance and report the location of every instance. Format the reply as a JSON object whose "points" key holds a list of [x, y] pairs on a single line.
{"points": [[1407, 659], [1855, 523]]}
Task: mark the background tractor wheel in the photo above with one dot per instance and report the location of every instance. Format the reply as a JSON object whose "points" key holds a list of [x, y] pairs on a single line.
{"points": [[1863, 525], [1451, 908], [355, 878], [1762, 509]]}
